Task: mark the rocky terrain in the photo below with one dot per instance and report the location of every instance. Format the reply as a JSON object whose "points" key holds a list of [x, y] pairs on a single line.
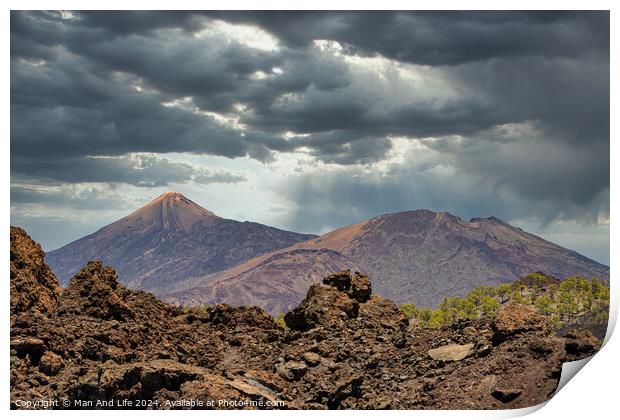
{"points": [[167, 241], [416, 256], [98, 344]]}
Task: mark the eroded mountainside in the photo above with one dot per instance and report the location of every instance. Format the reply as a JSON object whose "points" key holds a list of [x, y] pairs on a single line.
{"points": [[416, 256], [167, 241], [345, 347]]}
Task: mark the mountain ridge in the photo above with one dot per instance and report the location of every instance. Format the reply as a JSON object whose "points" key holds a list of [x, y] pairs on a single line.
{"points": [[416, 255], [168, 240]]}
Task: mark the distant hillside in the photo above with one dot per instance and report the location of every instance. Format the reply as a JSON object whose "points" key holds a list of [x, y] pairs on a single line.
{"points": [[167, 241], [416, 256]]}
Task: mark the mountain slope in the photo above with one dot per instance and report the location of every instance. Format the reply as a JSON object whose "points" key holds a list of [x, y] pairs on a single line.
{"points": [[168, 240], [415, 256], [273, 283]]}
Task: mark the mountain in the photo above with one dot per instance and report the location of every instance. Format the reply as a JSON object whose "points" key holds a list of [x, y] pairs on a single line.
{"points": [[415, 256], [168, 240]]}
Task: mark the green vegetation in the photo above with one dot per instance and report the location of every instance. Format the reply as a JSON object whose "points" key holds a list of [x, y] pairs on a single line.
{"points": [[280, 320], [560, 301]]}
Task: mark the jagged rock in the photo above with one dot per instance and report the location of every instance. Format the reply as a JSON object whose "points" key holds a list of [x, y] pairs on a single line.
{"points": [[246, 316], [95, 291], [361, 289], [506, 394], [33, 285], [28, 346], [344, 296], [343, 390], [470, 331], [104, 341], [516, 319], [50, 363], [312, 359], [581, 342], [451, 352], [341, 280], [323, 305], [541, 347], [292, 370], [357, 286], [266, 379], [383, 312], [483, 349]]}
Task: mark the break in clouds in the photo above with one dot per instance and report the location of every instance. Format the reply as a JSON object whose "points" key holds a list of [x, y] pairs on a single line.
{"points": [[312, 120]]}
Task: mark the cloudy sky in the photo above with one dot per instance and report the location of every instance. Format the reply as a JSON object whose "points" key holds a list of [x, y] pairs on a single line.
{"points": [[310, 121]]}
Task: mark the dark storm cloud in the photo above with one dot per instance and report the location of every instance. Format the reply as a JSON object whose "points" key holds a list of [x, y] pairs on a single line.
{"points": [[441, 38], [345, 196], [90, 89]]}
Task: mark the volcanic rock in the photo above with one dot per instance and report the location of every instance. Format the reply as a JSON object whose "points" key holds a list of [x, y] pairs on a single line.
{"points": [[361, 288], [292, 370], [94, 291], [383, 313], [28, 346], [358, 286], [515, 319], [341, 280], [106, 342], [581, 342], [312, 359], [323, 305], [505, 394], [33, 285], [451, 352], [50, 363]]}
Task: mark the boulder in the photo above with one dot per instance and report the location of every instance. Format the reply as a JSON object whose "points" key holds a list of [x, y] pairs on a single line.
{"points": [[323, 305], [28, 346], [340, 280], [361, 289], [383, 312], [516, 319], [451, 352], [581, 343], [50, 363], [506, 394], [292, 370], [470, 331], [312, 359], [357, 286], [242, 316]]}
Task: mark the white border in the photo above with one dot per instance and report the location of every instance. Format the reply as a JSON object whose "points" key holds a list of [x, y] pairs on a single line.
{"points": [[592, 394]]}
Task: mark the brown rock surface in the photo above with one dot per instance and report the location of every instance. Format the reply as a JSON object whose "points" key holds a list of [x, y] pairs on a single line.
{"points": [[451, 352], [33, 285], [580, 343], [104, 341], [323, 305], [515, 318]]}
